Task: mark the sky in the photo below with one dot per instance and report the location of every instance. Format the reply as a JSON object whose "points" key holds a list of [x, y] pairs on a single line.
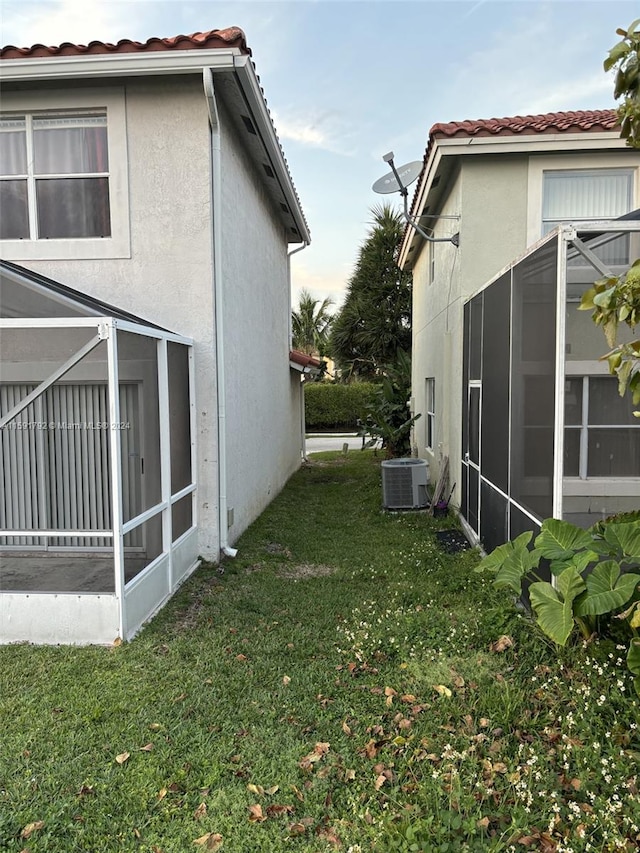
{"points": [[347, 82]]}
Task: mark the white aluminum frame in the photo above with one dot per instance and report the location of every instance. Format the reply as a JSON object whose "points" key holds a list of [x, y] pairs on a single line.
{"points": [[567, 237], [107, 328]]}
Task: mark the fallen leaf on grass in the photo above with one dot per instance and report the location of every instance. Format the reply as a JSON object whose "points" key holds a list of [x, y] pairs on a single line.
{"points": [[389, 692], [146, 748], [30, 828], [319, 751], [297, 829], [155, 727], [255, 814], [210, 841], [286, 680], [349, 775], [501, 644], [241, 657], [86, 791], [329, 835], [442, 690], [162, 793], [346, 729], [200, 812], [483, 823], [277, 810], [124, 756], [258, 790], [380, 780]]}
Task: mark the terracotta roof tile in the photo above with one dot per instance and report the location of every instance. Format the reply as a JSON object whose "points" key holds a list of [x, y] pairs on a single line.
{"points": [[229, 37], [564, 122], [303, 359]]}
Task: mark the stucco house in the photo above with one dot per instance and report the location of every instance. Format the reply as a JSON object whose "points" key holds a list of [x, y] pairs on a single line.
{"points": [[506, 370], [147, 218]]}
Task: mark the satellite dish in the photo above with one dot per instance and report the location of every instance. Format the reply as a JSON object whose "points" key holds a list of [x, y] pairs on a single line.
{"points": [[407, 174]]}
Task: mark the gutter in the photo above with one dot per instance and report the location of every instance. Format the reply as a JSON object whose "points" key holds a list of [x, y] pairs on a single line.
{"points": [[218, 290]]}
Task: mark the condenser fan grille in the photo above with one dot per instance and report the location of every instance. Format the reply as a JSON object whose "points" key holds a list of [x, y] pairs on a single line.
{"points": [[404, 484]]}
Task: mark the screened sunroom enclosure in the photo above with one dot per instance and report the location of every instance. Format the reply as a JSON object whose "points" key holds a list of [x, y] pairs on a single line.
{"points": [[97, 479], [544, 430]]}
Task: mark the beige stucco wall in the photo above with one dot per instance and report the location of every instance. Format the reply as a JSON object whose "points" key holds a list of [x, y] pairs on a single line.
{"points": [[168, 280], [490, 196]]}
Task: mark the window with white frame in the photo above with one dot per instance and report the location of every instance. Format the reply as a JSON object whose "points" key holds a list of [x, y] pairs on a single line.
{"points": [[64, 174], [430, 406], [572, 195], [54, 176], [601, 438]]}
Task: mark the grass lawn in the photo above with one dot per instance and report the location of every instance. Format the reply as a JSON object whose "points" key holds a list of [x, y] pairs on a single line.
{"points": [[343, 685]]}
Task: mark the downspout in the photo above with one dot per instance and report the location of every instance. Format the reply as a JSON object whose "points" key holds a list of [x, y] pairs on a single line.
{"points": [[303, 438], [218, 291]]}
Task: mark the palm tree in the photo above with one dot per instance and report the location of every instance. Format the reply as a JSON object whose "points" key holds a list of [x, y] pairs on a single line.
{"points": [[311, 324], [374, 322]]}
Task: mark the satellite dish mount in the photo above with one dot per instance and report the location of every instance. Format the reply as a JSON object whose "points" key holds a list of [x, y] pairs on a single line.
{"points": [[397, 180]]}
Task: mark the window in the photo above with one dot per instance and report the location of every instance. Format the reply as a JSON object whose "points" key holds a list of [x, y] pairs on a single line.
{"points": [[54, 176], [430, 404], [64, 184], [602, 438], [589, 195]]}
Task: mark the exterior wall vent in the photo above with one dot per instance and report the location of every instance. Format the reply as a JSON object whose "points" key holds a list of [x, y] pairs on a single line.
{"points": [[404, 484]]}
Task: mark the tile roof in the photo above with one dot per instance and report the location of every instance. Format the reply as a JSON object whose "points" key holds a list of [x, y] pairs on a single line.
{"points": [[229, 37], [304, 360], [564, 122]]}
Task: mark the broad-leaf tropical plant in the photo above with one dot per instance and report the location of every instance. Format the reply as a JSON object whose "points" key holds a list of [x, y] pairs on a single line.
{"points": [[388, 418], [594, 574]]}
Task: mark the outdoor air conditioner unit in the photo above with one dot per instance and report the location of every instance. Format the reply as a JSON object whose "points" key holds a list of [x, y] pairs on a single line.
{"points": [[404, 484]]}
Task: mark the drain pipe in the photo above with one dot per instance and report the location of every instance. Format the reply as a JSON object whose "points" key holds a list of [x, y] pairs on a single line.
{"points": [[218, 290], [303, 424]]}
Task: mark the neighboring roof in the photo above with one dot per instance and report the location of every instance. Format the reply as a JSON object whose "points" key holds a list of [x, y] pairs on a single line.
{"points": [[575, 121], [455, 137], [303, 362], [223, 51], [230, 37]]}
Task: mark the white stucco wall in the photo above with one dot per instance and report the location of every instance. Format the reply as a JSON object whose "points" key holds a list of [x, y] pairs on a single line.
{"points": [[262, 413], [167, 279]]}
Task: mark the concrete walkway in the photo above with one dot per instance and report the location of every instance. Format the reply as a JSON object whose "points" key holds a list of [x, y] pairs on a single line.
{"points": [[319, 442]]}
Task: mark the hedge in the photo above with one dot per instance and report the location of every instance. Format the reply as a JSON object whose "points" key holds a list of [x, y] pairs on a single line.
{"points": [[330, 406]]}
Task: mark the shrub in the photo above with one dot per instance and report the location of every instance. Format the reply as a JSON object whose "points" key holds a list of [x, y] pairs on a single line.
{"points": [[330, 406]]}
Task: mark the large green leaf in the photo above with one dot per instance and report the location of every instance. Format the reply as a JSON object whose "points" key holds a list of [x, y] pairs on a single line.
{"points": [[606, 590], [515, 567], [580, 561], [625, 537], [633, 657], [554, 607], [493, 561], [559, 540]]}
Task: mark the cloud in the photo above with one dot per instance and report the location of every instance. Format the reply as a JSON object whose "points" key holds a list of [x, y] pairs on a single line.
{"points": [[574, 94], [324, 130], [320, 285], [77, 21]]}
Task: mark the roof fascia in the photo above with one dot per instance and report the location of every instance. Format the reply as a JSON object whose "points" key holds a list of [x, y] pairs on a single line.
{"points": [[171, 62], [531, 144], [250, 86], [118, 64], [429, 172]]}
